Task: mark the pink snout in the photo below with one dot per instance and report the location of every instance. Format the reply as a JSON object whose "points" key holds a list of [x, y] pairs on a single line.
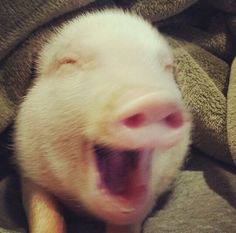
{"points": [[150, 120]]}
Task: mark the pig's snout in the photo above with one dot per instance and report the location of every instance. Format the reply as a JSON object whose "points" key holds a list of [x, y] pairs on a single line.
{"points": [[150, 121]]}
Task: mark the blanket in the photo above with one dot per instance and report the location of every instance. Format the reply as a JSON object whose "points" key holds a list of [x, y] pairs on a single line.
{"points": [[202, 35]]}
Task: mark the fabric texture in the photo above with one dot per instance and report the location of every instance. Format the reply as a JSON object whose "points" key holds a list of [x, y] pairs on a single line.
{"points": [[202, 35]]}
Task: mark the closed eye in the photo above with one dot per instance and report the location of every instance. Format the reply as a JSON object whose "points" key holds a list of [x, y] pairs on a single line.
{"points": [[170, 68], [67, 60]]}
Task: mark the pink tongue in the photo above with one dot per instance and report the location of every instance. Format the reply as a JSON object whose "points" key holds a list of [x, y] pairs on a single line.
{"points": [[116, 168], [116, 178]]}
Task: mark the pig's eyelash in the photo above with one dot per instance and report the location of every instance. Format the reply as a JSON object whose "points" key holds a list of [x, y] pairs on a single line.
{"points": [[67, 60], [170, 68]]}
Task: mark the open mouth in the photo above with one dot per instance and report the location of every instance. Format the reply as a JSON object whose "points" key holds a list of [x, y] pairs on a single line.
{"points": [[123, 174]]}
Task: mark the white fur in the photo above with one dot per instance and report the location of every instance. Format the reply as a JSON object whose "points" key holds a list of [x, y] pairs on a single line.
{"points": [[68, 109]]}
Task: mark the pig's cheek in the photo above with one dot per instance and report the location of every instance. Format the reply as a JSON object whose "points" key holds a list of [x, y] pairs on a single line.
{"points": [[71, 164], [166, 165], [64, 72]]}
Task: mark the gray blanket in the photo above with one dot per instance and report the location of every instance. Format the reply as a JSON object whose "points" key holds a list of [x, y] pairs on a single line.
{"points": [[202, 35]]}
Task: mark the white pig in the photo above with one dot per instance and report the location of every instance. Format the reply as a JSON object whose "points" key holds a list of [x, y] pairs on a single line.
{"points": [[103, 128]]}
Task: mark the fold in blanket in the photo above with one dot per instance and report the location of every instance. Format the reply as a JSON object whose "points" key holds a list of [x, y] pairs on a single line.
{"points": [[231, 111], [19, 18], [203, 201], [156, 10], [225, 5], [203, 95]]}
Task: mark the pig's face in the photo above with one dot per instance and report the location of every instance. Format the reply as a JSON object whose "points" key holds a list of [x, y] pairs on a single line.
{"points": [[104, 125]]}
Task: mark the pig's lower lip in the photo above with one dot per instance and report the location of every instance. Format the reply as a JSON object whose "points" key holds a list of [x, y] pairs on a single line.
{"points": [[122, 182]]}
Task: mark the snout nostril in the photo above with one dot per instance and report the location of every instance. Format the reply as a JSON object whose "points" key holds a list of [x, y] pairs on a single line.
{"points": [[149, 120], [135, 120], [174, 120]]}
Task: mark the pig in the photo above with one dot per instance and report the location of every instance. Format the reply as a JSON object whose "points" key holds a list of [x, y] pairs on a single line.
{"points": [[103, 129]]}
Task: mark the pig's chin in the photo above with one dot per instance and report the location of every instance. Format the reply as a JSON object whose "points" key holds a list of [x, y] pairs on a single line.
{"points": [[122, 189]]}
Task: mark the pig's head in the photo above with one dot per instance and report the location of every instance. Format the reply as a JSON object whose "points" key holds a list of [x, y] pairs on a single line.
{"points": [[104, 125]]}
